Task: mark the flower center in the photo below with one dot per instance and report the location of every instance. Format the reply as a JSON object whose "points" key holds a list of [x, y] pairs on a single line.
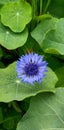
{"points": [[31, 69]]}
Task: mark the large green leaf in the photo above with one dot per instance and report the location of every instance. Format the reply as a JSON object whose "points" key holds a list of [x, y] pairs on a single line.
{"points": [[16, 15], [12, 88], [43, 28], [11, 40], [46, 112], [54, 40]]}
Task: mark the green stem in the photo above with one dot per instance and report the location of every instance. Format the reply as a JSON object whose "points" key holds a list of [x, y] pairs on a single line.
{"points": [[41, 2], [33, 8], [48, 3], [16, 107], [34, 13]]}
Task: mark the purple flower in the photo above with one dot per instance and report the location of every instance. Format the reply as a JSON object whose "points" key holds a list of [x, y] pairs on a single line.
{"points": [[31, 68]]}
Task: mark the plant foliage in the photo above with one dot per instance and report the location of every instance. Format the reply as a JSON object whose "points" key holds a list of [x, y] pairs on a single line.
{"points": [[32, 26]]}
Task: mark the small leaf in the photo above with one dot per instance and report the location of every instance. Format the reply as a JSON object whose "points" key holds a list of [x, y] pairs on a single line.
{"points": [[60, 74], [54, 40], [16, 15], [12, 88], [11, 40], [46, 112], [11, 122], [43, 28], [10, 117]]}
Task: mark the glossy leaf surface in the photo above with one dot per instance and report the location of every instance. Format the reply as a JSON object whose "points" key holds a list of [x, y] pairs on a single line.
{"points": [[46, 112], [12, 88]]}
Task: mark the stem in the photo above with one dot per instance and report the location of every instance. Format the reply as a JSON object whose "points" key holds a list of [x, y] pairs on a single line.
{"points": [[41, 2], [34, 14], [33, 8], [48, 2], [16, 107]]}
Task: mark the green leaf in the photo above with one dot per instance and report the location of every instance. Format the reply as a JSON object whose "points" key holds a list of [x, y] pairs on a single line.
{"points": [[54, 40], [12, 88], [32, 45], [16, 15], [7, 1], [2, 64], [11, 40], [11, 121], [10, 117], [60, 74], [43, 28], [46, 112], [54, 62]]}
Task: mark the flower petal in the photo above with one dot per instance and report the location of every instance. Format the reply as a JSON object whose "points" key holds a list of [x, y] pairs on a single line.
{"points": [[31, 68]]}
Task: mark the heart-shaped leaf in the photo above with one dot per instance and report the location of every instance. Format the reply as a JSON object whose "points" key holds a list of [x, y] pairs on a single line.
{"points": [[16, 15], [46, 112], [12, 88], [11, 40]]}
